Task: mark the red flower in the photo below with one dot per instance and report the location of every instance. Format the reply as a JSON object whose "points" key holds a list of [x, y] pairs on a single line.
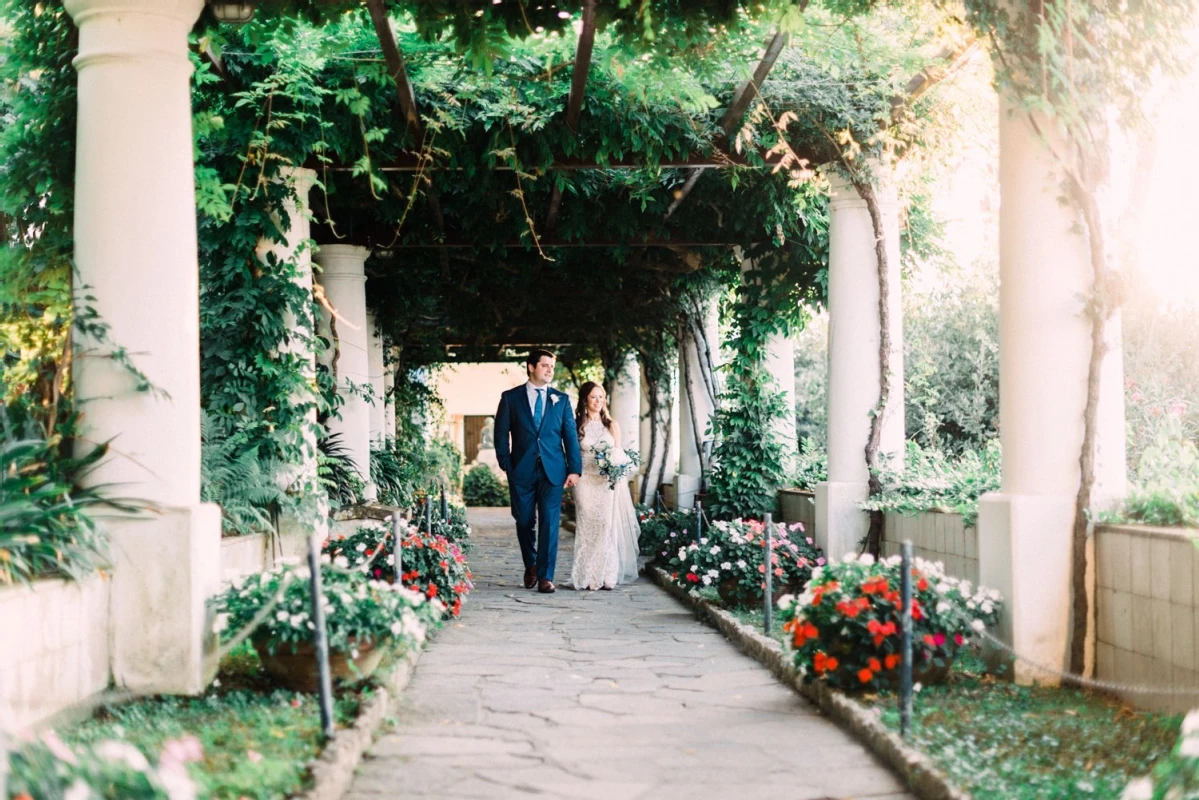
{"points": [[874, 665], [891, 660], [958, 639], [865, 675], [432, 590], [692, 577], [929, 640], [804, 632]]}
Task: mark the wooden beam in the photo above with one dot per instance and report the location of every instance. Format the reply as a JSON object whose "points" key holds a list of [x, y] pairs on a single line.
{"points": [[574, 104], [411, 162], [407, 97], [736, 109], [557, 243]]}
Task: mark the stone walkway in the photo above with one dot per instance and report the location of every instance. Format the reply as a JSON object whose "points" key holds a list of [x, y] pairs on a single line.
{"points": [[608, 695]]}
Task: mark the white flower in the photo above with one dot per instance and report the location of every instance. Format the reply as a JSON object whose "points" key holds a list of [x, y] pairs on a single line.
{"points": [[1190, 724], [978, 625], [849, 558], [342, 562], [281, 616], [361, 548], [123, 752], [397, 628], [694, 567], [78, 791], [987, 608], [713, 573], [741, 564], [726, 565], [942, 607], [970, 604], [940, 588], [682, 552], [785, 601], [391, 560], [326, 558], [715, 550], [707, 580], [866, 559], [916, 687], [1140, 789]]}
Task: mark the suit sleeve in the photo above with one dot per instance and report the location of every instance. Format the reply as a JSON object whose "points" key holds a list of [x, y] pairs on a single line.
{"points": [[570, 437], [503, 426]]}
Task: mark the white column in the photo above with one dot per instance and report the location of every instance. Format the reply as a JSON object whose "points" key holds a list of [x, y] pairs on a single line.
{"points": [[296, 250], [695, 423], [136, 252], [378, 412], [389, 407], [1044, 344], [343, 279], [853, 360], [625, 402]]}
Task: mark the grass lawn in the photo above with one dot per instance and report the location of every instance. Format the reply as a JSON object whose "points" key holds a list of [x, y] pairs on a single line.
{"points": [[257, 739], [999, 741]]}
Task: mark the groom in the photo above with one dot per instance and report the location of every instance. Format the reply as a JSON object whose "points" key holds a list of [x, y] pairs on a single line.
{"points": [[542, 458]]}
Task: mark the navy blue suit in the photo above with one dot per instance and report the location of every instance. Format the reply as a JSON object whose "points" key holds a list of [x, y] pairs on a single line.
{"points": [[537, 462]]}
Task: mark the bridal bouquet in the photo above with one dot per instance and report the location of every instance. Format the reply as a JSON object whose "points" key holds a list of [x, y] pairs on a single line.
{"points": [[614, 463]]}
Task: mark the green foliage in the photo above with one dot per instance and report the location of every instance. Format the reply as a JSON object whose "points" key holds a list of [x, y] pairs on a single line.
{"points": [[1165, 489], [46, 525], [997, 740], [846, 627], [730, 556], [482, 487], [661, 527], [403, 469], [337, 474], [110, 770], [811, 467], [235, 473], [951, 363], [1176, 775], [934, 481], [359, 609], [748, 460]]}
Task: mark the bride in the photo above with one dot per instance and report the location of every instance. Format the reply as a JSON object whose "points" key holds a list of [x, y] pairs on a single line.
{"points": [[606, 528]]}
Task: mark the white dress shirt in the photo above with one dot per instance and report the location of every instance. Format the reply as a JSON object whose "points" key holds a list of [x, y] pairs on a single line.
{"points": [[531, 390]]}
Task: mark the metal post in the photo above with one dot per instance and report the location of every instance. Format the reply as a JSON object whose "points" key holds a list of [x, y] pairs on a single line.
{"points": [[699, 521], [445, 507], [429, 514], [658, 501], [322, 639], [397, 546], [905, 675], [767, 605]]}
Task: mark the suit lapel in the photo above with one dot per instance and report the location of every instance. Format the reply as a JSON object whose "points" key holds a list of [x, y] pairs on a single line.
{"points": [[522, 400]]}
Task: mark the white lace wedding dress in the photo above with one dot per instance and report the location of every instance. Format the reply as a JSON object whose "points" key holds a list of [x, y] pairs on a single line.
{"points": [[606, 528]]}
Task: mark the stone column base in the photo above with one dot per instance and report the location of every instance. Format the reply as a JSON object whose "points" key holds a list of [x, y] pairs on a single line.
{"points": [[1024, 553], [840, 524], [166, 569], [685, 489]]}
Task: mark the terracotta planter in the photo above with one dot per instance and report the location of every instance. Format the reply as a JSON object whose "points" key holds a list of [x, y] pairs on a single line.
{"points": [[298, 670]]}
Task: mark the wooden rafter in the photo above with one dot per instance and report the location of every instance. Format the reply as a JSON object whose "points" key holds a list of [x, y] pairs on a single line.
{"points": [[574, 104], [736, 109], [555, 243], [411, 162], [407, 97]]}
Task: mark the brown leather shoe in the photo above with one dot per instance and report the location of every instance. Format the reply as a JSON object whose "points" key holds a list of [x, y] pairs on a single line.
{"points": [[530, 577], [546, 587], [605, 588]]}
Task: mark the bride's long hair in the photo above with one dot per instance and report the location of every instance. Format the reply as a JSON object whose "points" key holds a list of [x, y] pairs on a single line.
{"points": [[581, 407]]}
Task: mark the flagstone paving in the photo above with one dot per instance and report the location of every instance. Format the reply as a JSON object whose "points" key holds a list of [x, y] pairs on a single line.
{"points": [[611, 695]]}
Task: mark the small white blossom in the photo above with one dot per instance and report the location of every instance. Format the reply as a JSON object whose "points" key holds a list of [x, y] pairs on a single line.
{"points": [[741, 564], [1190, 724], [866, 559], [342, 562], [715, 550], [1140, 789], [707, 580], [978, 625], [916, 687], [849, 558], [695, 567], [942, 607], [727, 565], [987, 608]]}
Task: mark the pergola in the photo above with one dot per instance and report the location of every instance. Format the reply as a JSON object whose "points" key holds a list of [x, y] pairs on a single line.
{"points": [[136, 248]]}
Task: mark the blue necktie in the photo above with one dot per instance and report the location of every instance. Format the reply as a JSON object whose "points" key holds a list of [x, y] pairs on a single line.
{"points": [[538, 409]]}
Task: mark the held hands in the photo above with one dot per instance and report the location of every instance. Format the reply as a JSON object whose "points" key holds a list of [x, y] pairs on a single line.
{"points": [[571, 480]]}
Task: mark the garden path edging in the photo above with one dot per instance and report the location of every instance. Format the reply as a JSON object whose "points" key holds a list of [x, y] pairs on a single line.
{"points": [[917, 770], [333, 770]]}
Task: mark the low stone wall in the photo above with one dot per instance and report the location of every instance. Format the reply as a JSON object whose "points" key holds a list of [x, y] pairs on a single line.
{"points": [[54, 647], [242, 555], [799, 505], [935, 536], [1146, 620]]}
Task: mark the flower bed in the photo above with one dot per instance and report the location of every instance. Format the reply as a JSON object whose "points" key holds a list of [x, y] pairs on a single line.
{"points": [[845, 627], [364, 618], [432, 565], [243, 739], [730, 557], [659, 526]]}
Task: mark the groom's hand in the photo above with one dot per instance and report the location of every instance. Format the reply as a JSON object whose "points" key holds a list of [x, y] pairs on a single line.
{"points": [[571, 480]]}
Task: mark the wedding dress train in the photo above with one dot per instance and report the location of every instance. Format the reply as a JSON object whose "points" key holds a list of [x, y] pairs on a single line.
{"points": [[606, 528]]}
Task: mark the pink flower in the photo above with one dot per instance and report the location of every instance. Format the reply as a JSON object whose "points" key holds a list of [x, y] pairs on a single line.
{"points": [[182, 750], [1178, 409], [820, 561], [254, 756], [1137, 397]]}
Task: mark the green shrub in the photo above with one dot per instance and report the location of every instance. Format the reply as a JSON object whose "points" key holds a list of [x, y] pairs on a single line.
{"points": [[237, 474], [811, 467], [482, 487], [337, 472], [1166, 485], [933, 481], [1176, 775], [748, 461], [658, 527], [45, 515]]}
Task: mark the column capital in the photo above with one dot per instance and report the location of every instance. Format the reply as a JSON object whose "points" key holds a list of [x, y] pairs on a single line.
{"points": [[133, 30], [843, 195], [342, 261]]}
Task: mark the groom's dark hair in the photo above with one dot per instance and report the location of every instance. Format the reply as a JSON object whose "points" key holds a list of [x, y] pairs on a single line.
{"points": [[535, 356]]}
